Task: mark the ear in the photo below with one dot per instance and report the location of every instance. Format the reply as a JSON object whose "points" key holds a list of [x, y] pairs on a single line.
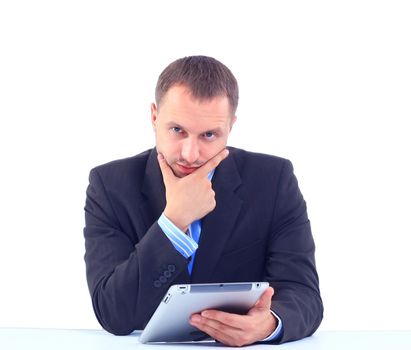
{"points": [[232, 121], [153, 115]]}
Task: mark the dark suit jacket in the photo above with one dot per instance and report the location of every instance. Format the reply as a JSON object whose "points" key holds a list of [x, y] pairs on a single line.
{"points": [[259, 231]]}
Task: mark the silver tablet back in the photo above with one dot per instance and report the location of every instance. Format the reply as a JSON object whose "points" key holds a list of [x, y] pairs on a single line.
{"points": [[170, 322]]}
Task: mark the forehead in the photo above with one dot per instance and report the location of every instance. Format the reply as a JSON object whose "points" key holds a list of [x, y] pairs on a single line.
{"points": [[179, 105]]}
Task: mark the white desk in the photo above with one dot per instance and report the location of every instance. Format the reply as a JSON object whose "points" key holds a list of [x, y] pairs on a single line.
{"points": [[60, 339]]}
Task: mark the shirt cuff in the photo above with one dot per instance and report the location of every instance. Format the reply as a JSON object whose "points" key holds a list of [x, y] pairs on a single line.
{"points": [[181, 242], [277, 332]]}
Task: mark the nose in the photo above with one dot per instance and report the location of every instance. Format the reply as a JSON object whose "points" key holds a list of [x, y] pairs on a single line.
{"points": [[190, 151]]}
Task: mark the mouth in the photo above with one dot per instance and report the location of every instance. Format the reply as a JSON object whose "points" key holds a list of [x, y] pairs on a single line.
{"points": [[186, 170]]}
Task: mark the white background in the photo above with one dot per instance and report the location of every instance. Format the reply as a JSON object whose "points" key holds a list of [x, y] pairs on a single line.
{"points": [[326, 84]]}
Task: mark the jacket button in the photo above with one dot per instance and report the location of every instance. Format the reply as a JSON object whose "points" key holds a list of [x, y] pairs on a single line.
{"points": [[163, 279], [157, 284], [167, 273], [171, 268]]}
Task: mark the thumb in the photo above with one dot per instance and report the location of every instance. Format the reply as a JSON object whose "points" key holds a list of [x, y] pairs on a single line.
{"points": [[168, 175], [265, 300]]}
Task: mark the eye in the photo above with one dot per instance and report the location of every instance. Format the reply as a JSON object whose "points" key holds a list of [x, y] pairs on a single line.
{"points": [[209, 135], [176, 129]]}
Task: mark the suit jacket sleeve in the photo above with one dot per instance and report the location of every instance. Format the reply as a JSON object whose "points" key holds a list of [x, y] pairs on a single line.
{"points": [[127, 278], [290, 263]]}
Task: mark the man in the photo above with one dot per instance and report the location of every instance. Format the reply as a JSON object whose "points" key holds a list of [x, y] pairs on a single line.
{"points": [[192, 210]]}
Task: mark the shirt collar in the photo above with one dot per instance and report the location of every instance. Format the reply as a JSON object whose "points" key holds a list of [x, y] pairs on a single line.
{"points": [[210, 174]]}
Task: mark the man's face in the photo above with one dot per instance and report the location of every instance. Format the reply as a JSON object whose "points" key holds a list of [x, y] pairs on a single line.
{"points": [[190, 132]]}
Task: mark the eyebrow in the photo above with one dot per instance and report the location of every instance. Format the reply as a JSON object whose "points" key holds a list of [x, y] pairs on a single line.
{"points": [[215, 130]]}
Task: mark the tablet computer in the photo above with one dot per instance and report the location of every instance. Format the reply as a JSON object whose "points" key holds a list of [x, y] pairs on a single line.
{"points": [[170, 321]]}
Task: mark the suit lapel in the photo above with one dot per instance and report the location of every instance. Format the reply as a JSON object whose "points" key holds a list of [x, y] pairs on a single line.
{"points": [[155, 200], [153, 190], [218, 225]]}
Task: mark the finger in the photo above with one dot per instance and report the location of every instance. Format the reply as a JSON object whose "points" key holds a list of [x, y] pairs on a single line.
{"points": [[212, 163], [214, 333], [218, 331], [265, 300], [168, 174], [214, 323], [226, 318]]}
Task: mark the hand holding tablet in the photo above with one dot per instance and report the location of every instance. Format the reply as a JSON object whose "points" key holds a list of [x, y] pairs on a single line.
{"points": [[171, 321], [238, 330]]}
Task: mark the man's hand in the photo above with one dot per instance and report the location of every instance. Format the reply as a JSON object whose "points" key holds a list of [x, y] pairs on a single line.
{"points": [[192, 197], [239, 330]]}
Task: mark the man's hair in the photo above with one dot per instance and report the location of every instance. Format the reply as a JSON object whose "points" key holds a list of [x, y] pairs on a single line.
{"points": [[204, 76]]}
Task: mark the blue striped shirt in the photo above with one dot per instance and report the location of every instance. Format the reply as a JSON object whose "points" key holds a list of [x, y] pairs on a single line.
{"points": [[182, 242]]}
